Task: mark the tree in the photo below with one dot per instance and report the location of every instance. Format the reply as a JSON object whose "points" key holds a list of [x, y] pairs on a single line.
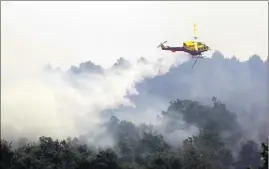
{"points": [[105, 159], [165, 161], [264, 155], [142, 147], [249, 155], [6, 154]]}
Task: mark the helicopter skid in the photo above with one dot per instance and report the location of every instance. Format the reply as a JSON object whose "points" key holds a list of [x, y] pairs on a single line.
{"points": [[194, 57]]}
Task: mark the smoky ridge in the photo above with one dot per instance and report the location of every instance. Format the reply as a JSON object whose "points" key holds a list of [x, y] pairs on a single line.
{"points": [[193, 110]]}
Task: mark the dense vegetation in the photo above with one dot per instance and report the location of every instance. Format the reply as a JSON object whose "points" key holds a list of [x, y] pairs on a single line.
{"points": [[192, 134], [144, 147]]}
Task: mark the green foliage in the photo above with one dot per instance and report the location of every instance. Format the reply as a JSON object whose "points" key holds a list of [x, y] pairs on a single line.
{"points": [[165, 161], [6, 154], [264, 155], [142, 147]]}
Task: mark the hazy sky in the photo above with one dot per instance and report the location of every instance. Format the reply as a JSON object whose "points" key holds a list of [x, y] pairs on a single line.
{"points": [[68, 33], [65, 33]]}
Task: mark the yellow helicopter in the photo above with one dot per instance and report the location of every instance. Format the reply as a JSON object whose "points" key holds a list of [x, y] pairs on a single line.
{"points": [[193, 47]]}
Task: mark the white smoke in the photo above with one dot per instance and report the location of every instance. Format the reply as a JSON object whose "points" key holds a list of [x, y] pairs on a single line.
{"points": [[45, 103], [36, 103]]}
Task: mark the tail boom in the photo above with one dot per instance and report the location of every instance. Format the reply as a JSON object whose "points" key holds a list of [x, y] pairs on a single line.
{"points": [[173, 49]]}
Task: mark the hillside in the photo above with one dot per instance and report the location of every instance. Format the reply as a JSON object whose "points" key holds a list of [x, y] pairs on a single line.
{"points": [[212, 116]]}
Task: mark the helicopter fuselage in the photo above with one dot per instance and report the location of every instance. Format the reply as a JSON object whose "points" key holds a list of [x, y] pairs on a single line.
{"points": [[189, 47]]}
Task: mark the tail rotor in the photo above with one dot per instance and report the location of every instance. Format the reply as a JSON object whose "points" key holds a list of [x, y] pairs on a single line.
{"points": [[161, 44]]}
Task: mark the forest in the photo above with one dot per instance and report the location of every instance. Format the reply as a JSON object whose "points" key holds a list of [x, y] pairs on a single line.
{"points": [[144, 147], [203, 127]]}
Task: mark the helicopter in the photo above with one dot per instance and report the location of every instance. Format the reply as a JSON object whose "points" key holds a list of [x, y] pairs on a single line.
{"points": [[193, 47]]}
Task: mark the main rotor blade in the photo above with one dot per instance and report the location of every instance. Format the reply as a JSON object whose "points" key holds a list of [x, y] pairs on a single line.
{"points": [[195, 45], [195, 36]]}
